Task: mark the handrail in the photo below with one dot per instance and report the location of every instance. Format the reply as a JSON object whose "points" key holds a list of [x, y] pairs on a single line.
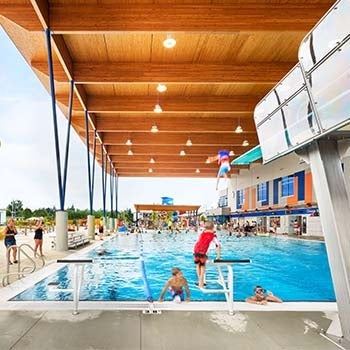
{"points": [[76, 282], [20, 273], [227, 285]]}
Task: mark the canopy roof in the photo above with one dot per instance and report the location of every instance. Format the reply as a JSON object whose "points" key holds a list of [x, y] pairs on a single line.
{"points": [[228, 55], [159, 207]]}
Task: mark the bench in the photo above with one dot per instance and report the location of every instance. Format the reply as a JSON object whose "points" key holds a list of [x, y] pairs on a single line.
{"points": [[75, 239]]}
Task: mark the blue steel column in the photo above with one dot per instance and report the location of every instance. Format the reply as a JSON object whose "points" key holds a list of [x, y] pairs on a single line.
{"points": [[54, 114], [116, 178], [88, 159]]}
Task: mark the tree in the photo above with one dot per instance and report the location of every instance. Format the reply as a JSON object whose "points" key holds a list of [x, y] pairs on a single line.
{"points": [[27, 213], [15, 209]]}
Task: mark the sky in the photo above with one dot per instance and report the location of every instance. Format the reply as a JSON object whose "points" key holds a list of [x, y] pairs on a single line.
{"points": [[28, 159]]}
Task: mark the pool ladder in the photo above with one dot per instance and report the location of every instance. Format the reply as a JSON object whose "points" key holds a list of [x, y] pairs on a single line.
{"points": [[25, 270], [226, 284], [77, 281]]}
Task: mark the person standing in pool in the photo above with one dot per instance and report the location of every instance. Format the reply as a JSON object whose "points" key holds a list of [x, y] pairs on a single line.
{"points": [[201, 248], [223, 158], [175, 285]]}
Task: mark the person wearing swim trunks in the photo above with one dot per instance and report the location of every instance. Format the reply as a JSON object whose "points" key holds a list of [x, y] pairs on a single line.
{"points": [[223, 158], [175, 286], [201, 248]]}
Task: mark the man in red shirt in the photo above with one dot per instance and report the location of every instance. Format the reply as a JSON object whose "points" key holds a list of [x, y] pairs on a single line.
{"points": [[200, 250]]}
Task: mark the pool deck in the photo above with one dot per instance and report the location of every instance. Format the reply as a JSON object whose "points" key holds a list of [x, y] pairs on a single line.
{"points": [[109, 325]]}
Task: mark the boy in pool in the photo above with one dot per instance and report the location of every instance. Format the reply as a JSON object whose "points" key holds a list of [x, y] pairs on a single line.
{"points": [[261, 298], [175, 284]]}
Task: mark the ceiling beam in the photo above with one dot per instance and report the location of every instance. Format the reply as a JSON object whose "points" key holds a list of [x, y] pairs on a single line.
{"points": [[142, 104], [114, 73], [178, 123], [171, 151], [229, 139]]}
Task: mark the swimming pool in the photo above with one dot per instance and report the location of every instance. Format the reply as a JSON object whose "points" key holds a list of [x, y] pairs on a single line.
{"points": [[294, 270]]}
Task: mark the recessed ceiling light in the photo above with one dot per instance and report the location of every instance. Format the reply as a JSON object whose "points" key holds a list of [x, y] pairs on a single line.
{"points": [[169, 42], [128, 142], [130, 152], [152, 160], [245, 143], [232, 153], [198, 171], [182, 153], [150, 170]]}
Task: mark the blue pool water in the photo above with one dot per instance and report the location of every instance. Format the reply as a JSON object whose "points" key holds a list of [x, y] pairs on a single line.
{"points": [[294, 270]]}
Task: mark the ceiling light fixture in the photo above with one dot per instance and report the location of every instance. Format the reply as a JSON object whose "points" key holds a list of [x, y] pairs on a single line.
{"points": [[128, 142], [198, 171], [239, 129], [245, 143], [169, 42], [189, 142], [152, 161], [150, 170], [207, 161], [130, 152], [157, 108], [182, 153], [154, 128], [232, 153], [161, 87]]}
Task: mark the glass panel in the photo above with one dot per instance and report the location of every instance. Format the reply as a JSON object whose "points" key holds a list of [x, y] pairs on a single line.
{"points": [[290, 84], [331, 30], [272, 137], [265, 107], [300, 119], [330, 87]]}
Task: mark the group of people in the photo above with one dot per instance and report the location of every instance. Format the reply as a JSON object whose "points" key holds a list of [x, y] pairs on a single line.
{"points": [[10, 242], [177, 284]]}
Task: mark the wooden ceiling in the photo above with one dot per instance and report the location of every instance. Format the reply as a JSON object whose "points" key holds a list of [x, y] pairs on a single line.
{"points": [[228, 55]]}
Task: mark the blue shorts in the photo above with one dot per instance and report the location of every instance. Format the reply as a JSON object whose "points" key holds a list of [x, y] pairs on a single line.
{"points": [[224, 169], [174, 293], [10, 242]]}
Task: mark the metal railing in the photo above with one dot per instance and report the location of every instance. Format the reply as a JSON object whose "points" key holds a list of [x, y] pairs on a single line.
{"points": [[77, 281], [226, 284], [25, 270]]}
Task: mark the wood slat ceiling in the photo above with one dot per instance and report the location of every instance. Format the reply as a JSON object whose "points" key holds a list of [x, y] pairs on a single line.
{"points": [[229, 54]]}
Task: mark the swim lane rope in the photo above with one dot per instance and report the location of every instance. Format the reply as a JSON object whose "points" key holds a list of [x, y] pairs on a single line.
{"points": [[148, 293]]}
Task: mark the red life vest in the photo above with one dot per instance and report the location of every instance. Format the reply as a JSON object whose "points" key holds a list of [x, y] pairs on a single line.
{"points": [[204, 241]]}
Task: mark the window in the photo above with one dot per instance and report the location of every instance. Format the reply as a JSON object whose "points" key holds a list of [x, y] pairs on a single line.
{"points": [[262, 192], [240, 198], [287, 186], [223, 201]]}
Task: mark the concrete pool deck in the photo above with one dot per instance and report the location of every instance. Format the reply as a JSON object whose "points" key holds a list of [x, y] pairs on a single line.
{"points": [[113, 325]]}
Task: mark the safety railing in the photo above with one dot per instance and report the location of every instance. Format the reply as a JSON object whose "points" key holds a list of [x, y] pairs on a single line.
{"points": [[77, 280], [225, 283], [25, 270]]}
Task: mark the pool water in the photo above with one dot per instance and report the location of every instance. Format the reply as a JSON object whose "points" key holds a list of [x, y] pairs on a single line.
{"points": [[294, 270]]}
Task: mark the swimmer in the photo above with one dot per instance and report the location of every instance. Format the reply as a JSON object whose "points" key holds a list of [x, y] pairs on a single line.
{"points": [[175, 285]]}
